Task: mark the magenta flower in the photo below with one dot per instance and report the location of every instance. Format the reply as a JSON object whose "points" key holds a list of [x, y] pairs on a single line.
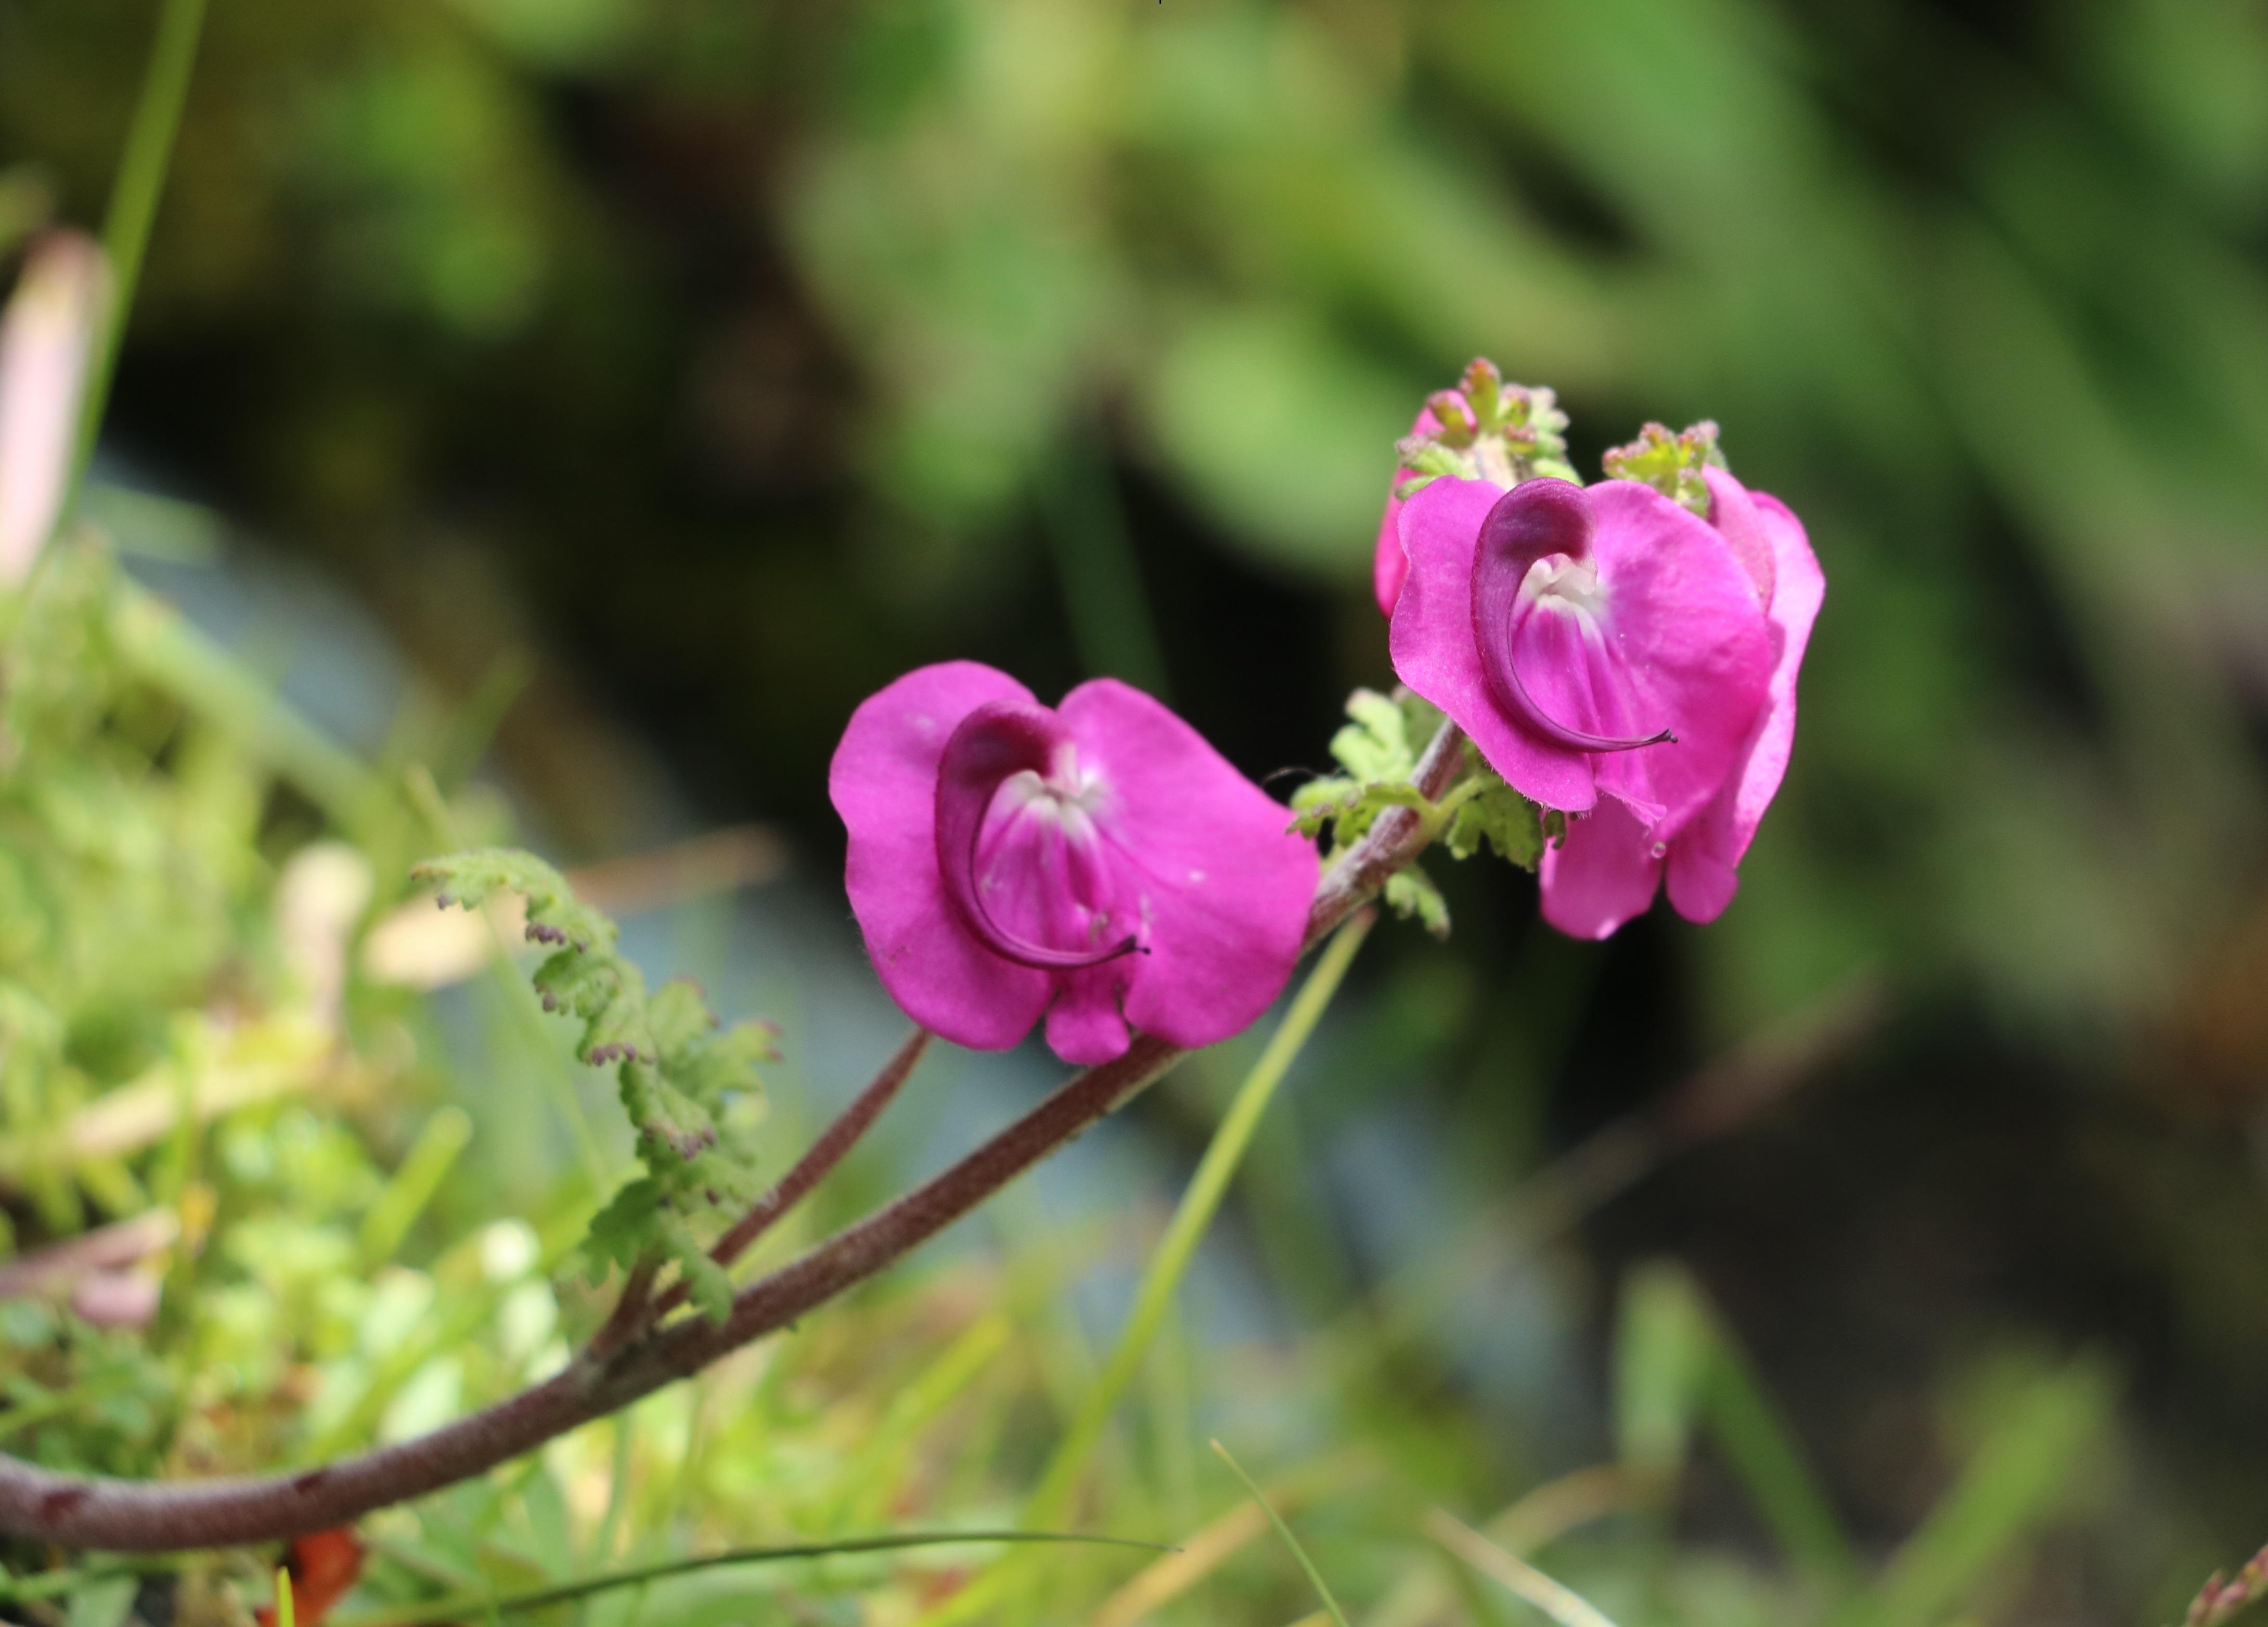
{"points": [[1590, 640], [1098, 863], [1608, 869]]}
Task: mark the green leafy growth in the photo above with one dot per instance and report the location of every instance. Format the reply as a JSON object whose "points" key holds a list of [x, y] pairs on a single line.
{"points": [[1493, 813], [1485, 428], [684, 1079], [1374, 748], [1378, 749], [1671, 464], [1414, 896]]}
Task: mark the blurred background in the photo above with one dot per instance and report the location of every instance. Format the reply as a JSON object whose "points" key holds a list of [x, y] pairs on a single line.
{"points": [[680, 370]]}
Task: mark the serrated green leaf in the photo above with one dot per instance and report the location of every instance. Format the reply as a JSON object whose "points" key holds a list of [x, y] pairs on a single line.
{"points": [[677, 1016], [554, 913], [1375, 745], [683, 1084], [1318, 798], [1506, 820], [620, 1233], [576, 984], [1375, 749], [617, 1030], [716, 1065], [1411, 893], [710, 1289]]}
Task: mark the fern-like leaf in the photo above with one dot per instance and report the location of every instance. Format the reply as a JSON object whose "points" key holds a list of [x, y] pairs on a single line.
{"points": [[686, 1083]]}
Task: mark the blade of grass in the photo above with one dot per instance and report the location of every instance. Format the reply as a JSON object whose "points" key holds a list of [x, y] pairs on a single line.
{"points": [[1763, 1452], [387, 1220], [1167, 1265], [133, 197], [437, 1610], [1191, 1220], [1162, 1581], [1563, 1604], [1537, 1520], [1677, 1364], [287, 1608], [1663, 1343], [1314, 1577], [2018, 1477]]}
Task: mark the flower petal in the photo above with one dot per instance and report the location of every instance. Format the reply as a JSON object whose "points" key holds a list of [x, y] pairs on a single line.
{"points": [[1388, 565], [883, 782], [1219, 886], [1604, 874], [1702, 859], [1435, 654], [1690, 644], [1733, 510], [1085, 1024]]}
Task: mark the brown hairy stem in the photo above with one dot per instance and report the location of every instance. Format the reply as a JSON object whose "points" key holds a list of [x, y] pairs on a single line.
{"points": [[75, 1511], [832, 1146]]}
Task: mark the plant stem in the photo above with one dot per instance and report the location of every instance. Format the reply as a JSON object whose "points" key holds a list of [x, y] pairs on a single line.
{"points": [[832, 1146], [122, 1515], [134, 198], [1314, 1577], [1191, 1220], [469, 1605]]}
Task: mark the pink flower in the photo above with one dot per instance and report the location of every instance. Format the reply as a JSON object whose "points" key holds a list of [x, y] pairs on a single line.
{"points": [[45, 336], [1620, 659], [1608, 869], [1390, 565], [1098, 863], [1589, 639]]}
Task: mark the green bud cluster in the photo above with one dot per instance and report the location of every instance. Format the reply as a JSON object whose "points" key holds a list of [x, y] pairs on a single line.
{"points": [[1490, 430], [1671, 464]]}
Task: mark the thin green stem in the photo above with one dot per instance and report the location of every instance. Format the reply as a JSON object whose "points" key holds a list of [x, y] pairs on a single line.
{"points": [[1314, 1577], [1191, 1220], [458, 1607], [134, 198]]}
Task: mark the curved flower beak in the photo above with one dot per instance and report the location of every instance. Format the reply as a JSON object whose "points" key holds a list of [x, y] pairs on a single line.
{"points": [[1535, 521]]}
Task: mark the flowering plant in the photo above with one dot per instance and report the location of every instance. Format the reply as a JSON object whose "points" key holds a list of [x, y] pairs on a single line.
{"points": [[1599, 681]]}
